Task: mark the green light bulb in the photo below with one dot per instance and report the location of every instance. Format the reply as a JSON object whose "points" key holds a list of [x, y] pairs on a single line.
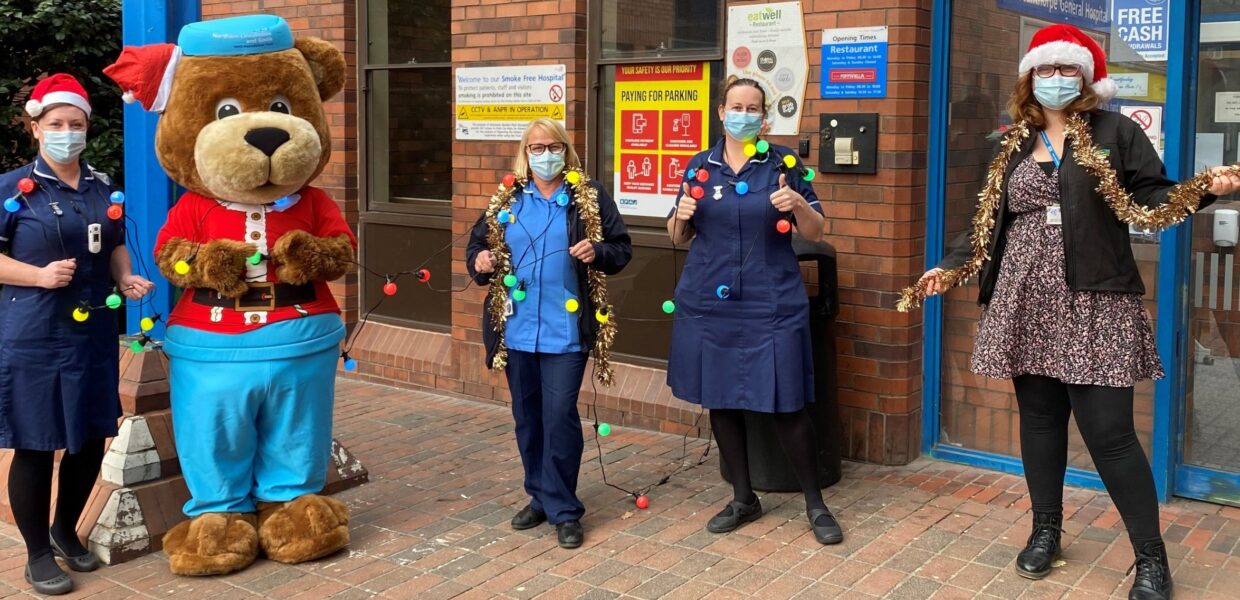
{"points": [[763, 146], [669, 307], [604, 429], [113, 302], [510, 280], [255, 258], [136, 347], [518, 295]]}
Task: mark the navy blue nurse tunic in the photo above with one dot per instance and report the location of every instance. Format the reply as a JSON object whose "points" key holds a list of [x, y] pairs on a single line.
{"points": [[751, 350], [58, 377]]}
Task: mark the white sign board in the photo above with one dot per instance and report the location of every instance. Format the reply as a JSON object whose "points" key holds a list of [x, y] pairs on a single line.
{"points": [[1132, 85], [496, 103], [766, 42], [1150, 118], [1227, 107]]}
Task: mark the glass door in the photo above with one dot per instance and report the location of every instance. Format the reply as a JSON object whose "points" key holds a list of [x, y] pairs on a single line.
{"points": [[1209, 466]]}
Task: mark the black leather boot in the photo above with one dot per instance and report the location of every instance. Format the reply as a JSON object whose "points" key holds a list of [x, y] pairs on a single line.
{"points": [[1042, 549], [1153, 580]]}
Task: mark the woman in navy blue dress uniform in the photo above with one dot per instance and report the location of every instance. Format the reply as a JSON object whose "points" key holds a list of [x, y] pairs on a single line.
{"points": [[551, 321], [59, 371], [740, 337]]}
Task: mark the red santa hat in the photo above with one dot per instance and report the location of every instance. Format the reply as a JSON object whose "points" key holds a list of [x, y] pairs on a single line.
{"points": [[144, 74], [57, 89], [1067, 45]]}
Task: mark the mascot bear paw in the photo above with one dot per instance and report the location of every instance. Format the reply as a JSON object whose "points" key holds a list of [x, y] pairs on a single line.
{"points": [[212, 544], [307, 528], [304, 257]]}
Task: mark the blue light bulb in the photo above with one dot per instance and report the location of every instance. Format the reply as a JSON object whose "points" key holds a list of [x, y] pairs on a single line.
{"points": [[117, 197], [742, 187], [350, 364], [282, 203], [504, 217], [723, 292], [12, 205], [562, 199]]}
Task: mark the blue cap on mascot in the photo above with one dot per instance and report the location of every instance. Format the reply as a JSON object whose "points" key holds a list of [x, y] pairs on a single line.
{"points": [[235, 36]]}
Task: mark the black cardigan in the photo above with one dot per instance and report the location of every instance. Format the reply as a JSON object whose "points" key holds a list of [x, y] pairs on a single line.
{"points": [[610, 256], [1097, 249]]}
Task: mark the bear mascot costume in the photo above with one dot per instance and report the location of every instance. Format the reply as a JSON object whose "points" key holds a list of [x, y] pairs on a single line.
{"points": [[254, 340]]}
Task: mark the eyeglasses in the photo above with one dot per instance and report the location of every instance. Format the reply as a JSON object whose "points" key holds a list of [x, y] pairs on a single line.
{"points": [[554, 147], [1065, 70]]}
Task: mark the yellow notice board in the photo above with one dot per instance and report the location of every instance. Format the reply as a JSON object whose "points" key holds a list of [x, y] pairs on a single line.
{"points": [[661, 122]]}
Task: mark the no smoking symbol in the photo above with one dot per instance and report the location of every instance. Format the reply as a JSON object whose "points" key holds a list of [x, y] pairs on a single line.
{"points": [[556, 93], [1143, 118]]}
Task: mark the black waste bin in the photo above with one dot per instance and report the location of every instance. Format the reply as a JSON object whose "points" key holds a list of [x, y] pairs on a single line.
{"points": [[769, 469]]}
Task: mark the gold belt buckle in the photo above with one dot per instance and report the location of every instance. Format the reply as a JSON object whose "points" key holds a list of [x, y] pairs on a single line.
{"points": [[267, 297]]}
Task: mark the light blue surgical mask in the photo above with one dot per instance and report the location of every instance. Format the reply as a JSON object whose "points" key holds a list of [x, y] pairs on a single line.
{"points": [[548, 165], [742, 126], [1056, 92], [63, 147]]}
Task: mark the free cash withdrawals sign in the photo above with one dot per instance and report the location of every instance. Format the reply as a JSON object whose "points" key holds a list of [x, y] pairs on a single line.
{"points": [[854, 62], [661, 113], [1142, 26], [496, 103], [766, 43]]}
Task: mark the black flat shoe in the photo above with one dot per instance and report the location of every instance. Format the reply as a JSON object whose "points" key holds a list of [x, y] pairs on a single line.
{"points": [[570, 534], [528, 518], [1153, 580], [735, 514], [56, 586], [1043, 547], [84, 563], [826, 529]]}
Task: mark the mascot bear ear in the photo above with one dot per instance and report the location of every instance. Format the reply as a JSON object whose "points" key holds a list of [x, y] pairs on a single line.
{"points": [[327, 64]]}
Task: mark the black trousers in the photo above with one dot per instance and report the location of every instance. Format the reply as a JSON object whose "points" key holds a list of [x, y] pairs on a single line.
{"points": [[30, 495], [1104, 417]]}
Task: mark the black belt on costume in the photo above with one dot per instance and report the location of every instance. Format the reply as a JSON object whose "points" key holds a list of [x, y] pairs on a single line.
{"points": [[260, 297]]}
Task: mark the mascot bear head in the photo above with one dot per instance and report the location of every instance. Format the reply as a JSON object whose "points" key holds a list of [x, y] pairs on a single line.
{"points": [[242, 105]]}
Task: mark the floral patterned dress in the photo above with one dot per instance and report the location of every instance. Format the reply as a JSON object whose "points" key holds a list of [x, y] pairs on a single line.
{"points": [[1036, 325]]}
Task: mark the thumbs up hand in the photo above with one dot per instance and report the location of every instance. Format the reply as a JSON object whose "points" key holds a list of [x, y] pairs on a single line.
{"points": [[687, 205], [786, 199]]}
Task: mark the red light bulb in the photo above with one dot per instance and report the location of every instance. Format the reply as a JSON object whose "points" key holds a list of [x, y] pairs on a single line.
{"points": [[424, 275], [389, 288], [783, 226], [697, 192], [26, 185], [510, 180], [643, 502], [115, 212], [702, 175]]}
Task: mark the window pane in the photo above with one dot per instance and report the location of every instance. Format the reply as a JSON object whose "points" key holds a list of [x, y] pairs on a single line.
{"points": [[607, 120], [392, 248], [988, 40], [401, 32], [660, 27], [410, 135], [638, 292]]}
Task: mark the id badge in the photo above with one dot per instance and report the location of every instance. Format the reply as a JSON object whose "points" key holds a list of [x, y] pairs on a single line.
{"points": [[1054, 215], [508, 310]]}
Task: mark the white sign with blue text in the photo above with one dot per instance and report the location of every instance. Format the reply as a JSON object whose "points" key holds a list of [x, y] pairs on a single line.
{"points": [[1142, 26], [854, 62]]}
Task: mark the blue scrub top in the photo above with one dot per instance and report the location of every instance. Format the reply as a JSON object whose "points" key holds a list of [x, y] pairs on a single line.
{"points": [[538, 240], [58, 377]]}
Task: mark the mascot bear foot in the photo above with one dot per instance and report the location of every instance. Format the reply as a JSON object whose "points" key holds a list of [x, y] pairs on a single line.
{"points": [[212, 544], [306, 528]]}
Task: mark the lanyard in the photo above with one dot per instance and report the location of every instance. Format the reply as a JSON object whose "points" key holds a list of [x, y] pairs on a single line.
{"points": [[1051, 149]]}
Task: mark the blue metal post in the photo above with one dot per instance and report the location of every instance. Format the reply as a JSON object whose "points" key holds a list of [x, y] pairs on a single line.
{"points": [[936, 188], [1184, 19], [148, 190]]}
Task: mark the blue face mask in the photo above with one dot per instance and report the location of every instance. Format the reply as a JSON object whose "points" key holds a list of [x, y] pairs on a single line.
{"points": [[548, 165], [742, 126], [1056, 91], [63, 147]]}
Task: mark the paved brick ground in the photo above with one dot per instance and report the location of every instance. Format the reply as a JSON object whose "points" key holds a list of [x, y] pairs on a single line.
{"points": [[446, 478]]}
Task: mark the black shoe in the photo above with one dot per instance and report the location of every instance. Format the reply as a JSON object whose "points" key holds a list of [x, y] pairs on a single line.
{"points": [[736, 513], [82, 563], [1153, 580], [570, 534], [1042, 549], [826, 529], [57, 585], [528, 518]]}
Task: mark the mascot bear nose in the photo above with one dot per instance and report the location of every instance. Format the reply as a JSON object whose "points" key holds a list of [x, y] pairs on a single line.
{"points": [[267, 139]]}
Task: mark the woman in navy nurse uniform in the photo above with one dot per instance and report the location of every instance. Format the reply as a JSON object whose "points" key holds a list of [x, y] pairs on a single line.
{"points": [[740, 336], [58, 369]]}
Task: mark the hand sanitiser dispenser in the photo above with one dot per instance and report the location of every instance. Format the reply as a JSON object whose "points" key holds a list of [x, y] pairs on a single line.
{"points": [[1226, 227]]}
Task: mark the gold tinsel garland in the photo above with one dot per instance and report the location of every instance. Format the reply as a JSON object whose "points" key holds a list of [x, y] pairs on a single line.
{"points": [[1182, 201], [586, 198]]}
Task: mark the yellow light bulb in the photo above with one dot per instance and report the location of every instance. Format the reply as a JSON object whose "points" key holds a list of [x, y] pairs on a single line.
{"points": [[181, 267], [80, 315], [571, 305]]}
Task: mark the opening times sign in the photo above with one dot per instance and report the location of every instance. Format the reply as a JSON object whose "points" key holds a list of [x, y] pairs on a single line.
{"points": [[661, 113]]}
